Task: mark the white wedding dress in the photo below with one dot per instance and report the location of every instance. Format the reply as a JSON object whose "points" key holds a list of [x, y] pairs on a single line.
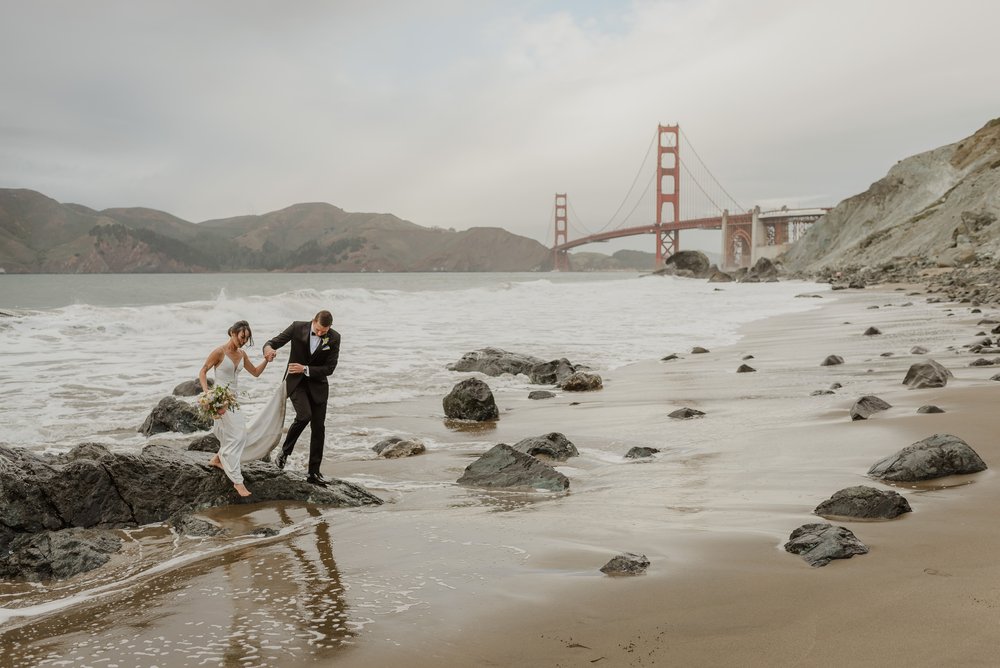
{"points": [[237, 443]]}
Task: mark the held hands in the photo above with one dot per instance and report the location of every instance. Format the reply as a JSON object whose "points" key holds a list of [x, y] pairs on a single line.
{"points": [[270, 353]]}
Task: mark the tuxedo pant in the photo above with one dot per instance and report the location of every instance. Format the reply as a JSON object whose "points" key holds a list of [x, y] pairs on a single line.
{"points": [[310, 412]]}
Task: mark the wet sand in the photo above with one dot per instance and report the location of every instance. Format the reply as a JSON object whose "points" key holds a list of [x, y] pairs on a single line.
{"points": [[444, 575]]}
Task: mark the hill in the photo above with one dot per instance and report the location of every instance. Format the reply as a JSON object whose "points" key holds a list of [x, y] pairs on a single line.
{"points": [[937, 209], [39, 234]]}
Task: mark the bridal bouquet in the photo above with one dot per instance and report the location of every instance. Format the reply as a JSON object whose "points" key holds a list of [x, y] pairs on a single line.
{"points": [[212, 403]]}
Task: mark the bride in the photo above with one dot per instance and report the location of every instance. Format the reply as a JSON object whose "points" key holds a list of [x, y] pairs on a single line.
{"points": [[237, 443]]}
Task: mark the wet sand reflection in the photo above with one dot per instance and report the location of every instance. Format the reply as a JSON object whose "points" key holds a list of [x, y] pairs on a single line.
{"points": [[280, 601]]}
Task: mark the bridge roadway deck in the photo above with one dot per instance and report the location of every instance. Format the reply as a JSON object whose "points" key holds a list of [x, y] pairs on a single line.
{"points": [[714, 223]]}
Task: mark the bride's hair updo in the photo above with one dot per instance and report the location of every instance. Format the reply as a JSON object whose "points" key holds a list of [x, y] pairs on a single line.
{"points": [[241, 326]]}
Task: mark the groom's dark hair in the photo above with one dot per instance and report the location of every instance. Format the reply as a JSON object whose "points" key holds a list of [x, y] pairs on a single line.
{"points": [[323, 319]]}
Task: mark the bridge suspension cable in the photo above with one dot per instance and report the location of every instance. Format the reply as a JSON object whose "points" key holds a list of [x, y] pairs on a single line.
{"points": [[635, 180], [739, 207]]}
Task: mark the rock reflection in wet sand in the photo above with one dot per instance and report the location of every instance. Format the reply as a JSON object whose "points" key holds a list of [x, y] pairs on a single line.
{"points": [[279, 603]]}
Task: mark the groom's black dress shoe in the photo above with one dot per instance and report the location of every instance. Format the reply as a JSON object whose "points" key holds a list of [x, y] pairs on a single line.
{"points": [[317, 479], [279, 461]]}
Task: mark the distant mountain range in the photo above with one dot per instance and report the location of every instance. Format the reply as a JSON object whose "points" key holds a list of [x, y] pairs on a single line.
{"points": [[41, 235]]}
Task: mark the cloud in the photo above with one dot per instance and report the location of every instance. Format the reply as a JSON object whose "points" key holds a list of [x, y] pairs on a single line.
{"points": [[467, 114]]}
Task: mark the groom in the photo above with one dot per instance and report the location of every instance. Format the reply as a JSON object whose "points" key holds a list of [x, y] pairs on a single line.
{"points": [[313, 357]]}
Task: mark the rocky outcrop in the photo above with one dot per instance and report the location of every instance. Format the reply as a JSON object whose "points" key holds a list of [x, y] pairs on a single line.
{"points": [[56, 555], [206, 443], [926, 374], [395, 447], [690, 263], [865, 503], [867, 406], [553, 372], [626, 563], [191, 388], [819, 543], [503, 467], [936, 456], [763, 271], [553, 446], [471, 399], [494, 362], [91, 487], [172, 414]]}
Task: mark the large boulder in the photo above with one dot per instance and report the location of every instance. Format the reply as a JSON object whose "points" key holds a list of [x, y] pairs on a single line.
{"points": [[927, 373], [504, 467], [934, 457], [693, 261], [471, 399], [867, 406], [92, 487], [172, 414], [552, 446], [865, 503], [821, 543], [494, 362]]}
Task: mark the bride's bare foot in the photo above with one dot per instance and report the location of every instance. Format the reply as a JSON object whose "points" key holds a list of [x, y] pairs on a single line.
{"points": [[216, 462], [241, 489]]}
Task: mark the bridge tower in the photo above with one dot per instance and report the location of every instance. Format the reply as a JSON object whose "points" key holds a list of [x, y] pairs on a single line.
{"points": [[560, 258], [668, 167]]}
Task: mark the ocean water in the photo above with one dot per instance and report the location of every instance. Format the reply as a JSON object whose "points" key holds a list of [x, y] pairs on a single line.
{"points": [[85, 358]]}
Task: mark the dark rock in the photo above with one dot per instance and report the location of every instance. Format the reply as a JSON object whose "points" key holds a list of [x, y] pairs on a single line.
{"points": [[191, 388], [873, 331], [57, 555], [864, 503], [192, 525], [936, 456], [395, 447], [582, 381], [693, 261], [471, 399], [747, 357], [930, 408], [698, 350], [640, 453], [540, 394], [552, 445], [926, 374], [172, 414], [988, 321], [626, 563], [671, 356], [867, 406], [919, 350], [816, 393], [995, 377], [832, 360], [494, 362], [820, 543], [206, 443], [264, 532], [857, 284], [835, 386], [552, 373], [744, 368], [982, 361], [764, 270], [504, 467], [685, 413], [720, 277], [886, 354]]}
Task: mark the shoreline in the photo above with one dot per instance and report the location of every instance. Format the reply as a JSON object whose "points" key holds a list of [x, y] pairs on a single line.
{"points": [[720, 589], [445, 575]]}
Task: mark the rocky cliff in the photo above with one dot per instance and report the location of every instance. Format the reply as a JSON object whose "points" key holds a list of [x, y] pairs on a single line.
{"points": [[39, 234], [935, 209]]}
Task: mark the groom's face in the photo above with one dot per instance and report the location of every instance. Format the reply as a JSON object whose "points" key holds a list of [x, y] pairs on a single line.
{"points": [[318, 329]]}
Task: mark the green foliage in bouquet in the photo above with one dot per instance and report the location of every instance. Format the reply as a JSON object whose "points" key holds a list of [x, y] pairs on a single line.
{"points": [[215, 402]]}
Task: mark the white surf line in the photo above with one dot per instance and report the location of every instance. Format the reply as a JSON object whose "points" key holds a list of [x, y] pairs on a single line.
{"points": [[7, 614]]}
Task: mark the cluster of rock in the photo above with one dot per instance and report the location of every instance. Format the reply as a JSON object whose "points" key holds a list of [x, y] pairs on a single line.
{"points": [[495, 362], [58, 512], [695, 264]]}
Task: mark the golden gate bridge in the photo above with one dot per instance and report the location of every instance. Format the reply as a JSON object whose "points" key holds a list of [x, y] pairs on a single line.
{"points": [[747, 234]]}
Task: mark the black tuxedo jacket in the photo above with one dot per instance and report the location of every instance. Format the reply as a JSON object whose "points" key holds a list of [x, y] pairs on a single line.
{"points": [[321, 363]]}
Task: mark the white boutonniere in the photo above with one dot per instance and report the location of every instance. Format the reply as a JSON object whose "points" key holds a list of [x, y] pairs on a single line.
{"points": [[324, 341]]}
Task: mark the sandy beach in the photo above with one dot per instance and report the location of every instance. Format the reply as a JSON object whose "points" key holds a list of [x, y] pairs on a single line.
{"points": [[444, 575]]}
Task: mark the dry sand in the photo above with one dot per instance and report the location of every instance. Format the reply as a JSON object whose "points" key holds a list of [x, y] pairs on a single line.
{"points": [[720, 591]]}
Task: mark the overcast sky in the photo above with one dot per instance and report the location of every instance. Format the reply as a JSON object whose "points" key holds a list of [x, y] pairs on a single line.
{"points": [[472, 113]]}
